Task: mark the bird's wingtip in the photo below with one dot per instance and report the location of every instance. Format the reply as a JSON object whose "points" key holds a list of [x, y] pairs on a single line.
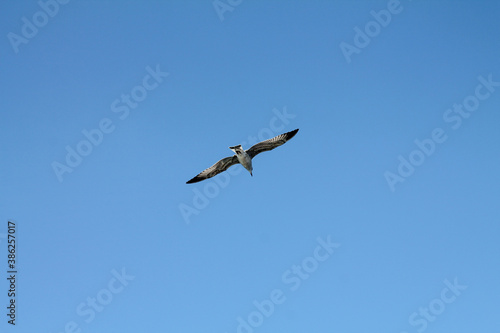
{"points": [[291, 134], [193, 180]]}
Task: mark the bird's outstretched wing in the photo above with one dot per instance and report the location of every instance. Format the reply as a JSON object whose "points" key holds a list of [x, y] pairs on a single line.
{"points": [[271, 143], [215, 169]]}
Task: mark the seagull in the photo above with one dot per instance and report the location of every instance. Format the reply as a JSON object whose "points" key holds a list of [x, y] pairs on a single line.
{"points": [[244, 157]]}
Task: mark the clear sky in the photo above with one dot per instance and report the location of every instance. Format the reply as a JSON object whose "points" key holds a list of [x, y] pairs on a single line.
{"points": [[380, 215]]}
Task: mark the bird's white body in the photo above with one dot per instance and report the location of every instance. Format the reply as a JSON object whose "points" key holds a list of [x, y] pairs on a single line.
{"points": [[243, 158]]}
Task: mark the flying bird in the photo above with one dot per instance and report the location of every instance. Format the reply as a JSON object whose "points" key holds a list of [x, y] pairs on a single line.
{"points": [[244, 157]]}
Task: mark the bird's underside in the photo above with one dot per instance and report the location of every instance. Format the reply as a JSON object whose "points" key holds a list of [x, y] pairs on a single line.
{"points": [[243, 156]]}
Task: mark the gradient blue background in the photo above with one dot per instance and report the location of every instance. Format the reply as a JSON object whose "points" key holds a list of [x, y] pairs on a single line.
{"points": [[121, 207]]}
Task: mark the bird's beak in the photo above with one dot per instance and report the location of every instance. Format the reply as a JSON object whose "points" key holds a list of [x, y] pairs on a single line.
{"points": [[251, 174]]}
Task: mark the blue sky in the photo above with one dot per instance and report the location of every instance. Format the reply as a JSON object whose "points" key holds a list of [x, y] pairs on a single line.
{"points": [[380, 215]]}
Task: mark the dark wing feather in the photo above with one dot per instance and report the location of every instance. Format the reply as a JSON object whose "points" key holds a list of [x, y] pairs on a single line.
{"points": [[271, 143], [215, 169]]}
